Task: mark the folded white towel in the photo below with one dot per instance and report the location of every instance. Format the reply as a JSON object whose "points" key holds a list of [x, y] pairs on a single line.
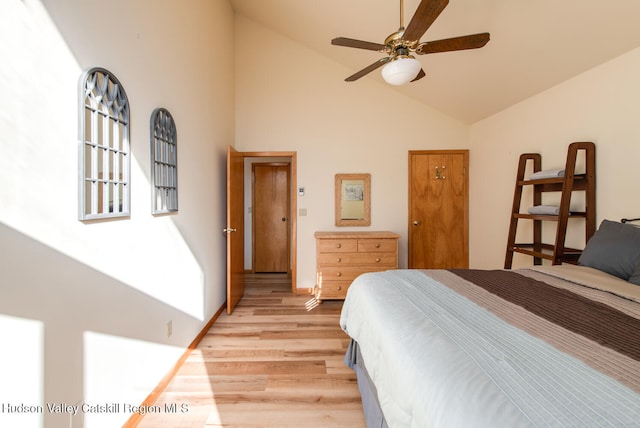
{"points": [[548, 173], [544, 209]]}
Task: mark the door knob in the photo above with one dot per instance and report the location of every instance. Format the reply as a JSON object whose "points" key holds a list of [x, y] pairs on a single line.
{"points": [[228, 230], [417, 223], [284, 219]]}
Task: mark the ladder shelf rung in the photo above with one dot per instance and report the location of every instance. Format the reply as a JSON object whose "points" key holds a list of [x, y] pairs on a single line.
{"points": [[545, 247], [548, 217], [580, 183], [552, 180], [570, 255]]}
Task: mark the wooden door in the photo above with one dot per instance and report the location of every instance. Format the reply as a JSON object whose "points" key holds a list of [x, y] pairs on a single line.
{"points": [[270, 216], [235, 227], [438, 209]]}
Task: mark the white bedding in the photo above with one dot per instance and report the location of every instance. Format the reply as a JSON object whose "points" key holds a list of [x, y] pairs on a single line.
{"points": [[468, 367]]}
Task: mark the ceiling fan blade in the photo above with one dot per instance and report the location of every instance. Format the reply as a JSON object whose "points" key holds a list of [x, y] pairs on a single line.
{"points": [[360, 44], [368, 69], [472, 41], [420, 75], [425, 14]]}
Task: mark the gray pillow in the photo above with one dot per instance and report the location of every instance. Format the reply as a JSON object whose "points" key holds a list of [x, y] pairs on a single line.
{"points": [[615, 249], [635, 277]]}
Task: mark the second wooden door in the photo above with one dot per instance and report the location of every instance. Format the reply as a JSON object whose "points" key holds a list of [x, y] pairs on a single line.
{"points": [[438, 209], [271, 210]]}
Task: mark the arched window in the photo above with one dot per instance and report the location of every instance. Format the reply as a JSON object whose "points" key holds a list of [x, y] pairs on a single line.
{"points": [[164, 162], [105, 159]]}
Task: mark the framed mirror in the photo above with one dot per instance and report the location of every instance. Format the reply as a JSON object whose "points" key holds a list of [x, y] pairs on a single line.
{"points": [[353, 199]]}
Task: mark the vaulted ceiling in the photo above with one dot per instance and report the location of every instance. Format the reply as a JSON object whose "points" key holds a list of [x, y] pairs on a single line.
{"points": [[534, 44]]}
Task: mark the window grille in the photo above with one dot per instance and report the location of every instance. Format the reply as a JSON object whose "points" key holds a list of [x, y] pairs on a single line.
{"points": [[105, 164], [164, 162]]}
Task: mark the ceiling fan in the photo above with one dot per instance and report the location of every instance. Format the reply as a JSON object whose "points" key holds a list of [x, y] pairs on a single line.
{"points": [[401, 67]]}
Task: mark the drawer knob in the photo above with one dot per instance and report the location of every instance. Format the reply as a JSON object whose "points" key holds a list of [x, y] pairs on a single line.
{"points": [[339, 274], [378, 245], [338, 245], [378, 260], [338, 260], [339, 287]]}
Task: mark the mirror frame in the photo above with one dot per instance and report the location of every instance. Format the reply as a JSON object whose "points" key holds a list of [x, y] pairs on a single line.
{"points": [[366, 221]]}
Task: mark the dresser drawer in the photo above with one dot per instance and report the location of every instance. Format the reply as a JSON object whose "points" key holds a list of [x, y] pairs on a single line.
{"points": [[377, 245], [337, 246], [332, 290], [357, 259], [337, 273]]}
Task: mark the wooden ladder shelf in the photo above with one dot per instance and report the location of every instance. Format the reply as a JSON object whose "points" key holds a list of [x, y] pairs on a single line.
{"points": [[571, 182]]}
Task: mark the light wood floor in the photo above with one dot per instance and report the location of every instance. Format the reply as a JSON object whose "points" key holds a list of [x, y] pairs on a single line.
{"points": [[275, 362]]}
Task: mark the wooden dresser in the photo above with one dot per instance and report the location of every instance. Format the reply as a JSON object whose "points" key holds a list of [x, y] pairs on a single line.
{"points": [[342, 256]]}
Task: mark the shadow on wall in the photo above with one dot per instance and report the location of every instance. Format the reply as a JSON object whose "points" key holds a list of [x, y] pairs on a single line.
{"points": [[66, 327]]}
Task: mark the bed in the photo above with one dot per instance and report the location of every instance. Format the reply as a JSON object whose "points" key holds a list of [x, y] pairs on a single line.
{"points": [[541, 346]]}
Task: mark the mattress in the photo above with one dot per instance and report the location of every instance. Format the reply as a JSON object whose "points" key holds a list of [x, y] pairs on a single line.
{"points": [[546, 346]]}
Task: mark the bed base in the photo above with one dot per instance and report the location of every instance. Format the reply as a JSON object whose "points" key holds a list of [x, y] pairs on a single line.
{"points": [[370, 404]]}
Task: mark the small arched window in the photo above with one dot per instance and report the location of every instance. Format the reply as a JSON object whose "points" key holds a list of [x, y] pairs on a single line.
{"points": [[105, 159], [164, 162]]}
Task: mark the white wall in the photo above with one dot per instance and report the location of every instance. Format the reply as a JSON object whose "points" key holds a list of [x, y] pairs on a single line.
{"points": [[289, 98], [90, 301], [600, 105]]}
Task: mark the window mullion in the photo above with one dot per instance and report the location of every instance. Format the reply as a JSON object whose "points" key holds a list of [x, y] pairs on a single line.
{"points": [[106, 179], [115, 155], [126, 165], [95, 183], [165, 168]]}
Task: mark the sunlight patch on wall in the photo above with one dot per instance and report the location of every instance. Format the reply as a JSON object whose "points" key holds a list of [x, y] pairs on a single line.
{"points": [[39, 169], [22, 367], [111, 381], [153, 258]]}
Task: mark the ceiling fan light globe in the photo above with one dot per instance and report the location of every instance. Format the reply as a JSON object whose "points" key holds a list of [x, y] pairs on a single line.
{"points": [[401, 71]]}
